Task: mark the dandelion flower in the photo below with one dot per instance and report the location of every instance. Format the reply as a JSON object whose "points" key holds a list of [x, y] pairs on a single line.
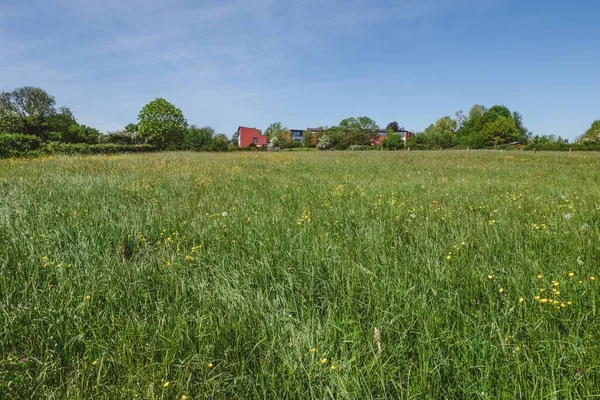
{"points": [[313, 350], [563, 305], [570, 303], [571, 274], [490, 277], [521, 300], [88, 298], [210, 365], [555, 284], [166, 384], [501, 290], [94, 363], [592, 278], [184, 397], [537, 298], [540, 276], [542, 290], [333, 367], [323, 361], [448, 257], [543, 301]]}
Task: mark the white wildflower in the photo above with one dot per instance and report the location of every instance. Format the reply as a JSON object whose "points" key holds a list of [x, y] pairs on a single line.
{"points": [[413, 216], [579, 261], [568, 216], [224, 214]]}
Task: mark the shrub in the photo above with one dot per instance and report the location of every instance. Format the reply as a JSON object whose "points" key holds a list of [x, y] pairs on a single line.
{"points": [[13, 145], [218, 143], [197, 138], [84, 148]]}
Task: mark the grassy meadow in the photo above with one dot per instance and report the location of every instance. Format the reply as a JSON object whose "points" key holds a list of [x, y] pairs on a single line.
{"points": [[325, 275]]}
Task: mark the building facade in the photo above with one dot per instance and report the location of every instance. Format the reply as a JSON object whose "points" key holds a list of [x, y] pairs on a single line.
{"points": [[251, 136]]}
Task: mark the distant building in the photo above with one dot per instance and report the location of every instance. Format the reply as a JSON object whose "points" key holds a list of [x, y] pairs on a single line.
{"points": [[251, 136], [382, 133], [297, 135]]}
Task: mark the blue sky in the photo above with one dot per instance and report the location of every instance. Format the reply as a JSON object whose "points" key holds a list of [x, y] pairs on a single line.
{"points": [[308, 62]]}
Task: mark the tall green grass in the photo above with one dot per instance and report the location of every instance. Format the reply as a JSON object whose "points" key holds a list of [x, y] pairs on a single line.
{"points": [[214, 275]]}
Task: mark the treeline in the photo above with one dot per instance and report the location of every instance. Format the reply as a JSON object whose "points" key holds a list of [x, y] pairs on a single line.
{"points": [[32, 124], [495, 127]]}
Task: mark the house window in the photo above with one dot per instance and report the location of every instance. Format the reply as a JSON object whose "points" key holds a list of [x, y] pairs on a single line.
{"points": [[255, 140]]}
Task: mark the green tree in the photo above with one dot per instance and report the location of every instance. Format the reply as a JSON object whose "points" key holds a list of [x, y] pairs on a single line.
{"points": [[81, 134], [393, 126], [196, 138], [219, 142], [61, 121], [26, 110], [131, 129], [592, 135], [235, 138], [277, 130], [353, 131], [162, 124], [501, 130], [393, 140], [441, 134]]}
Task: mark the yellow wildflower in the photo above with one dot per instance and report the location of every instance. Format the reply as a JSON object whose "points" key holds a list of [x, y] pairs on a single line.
{"points": [[313, 350], [210, 365], [540, 276], [323, 361], [592, 278], [521, 300], [580, 282], [501, 290], [490, 277], [543, 301], [166, 384], [94, 363], [333, 367], [88, 297], [571, 274], [542, 290], [569, 303]]}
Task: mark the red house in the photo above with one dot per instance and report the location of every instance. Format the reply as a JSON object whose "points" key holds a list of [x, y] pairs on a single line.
{"points": [[248, 136]]}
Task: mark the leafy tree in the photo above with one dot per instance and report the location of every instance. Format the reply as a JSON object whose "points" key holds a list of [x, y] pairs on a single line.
{"points": [[235, 138], [441, 134], [524, 132], [393, 140], [61, 121], [476, 111], [218, 143], [460, 118], [324, 143], [490, 127], [274, 143], [131, 128], [196, 138], [162, 124], [81, 134], [26, 110], [393, 126], [352, 132], [276, 129], [592, 135], [501, 130]]}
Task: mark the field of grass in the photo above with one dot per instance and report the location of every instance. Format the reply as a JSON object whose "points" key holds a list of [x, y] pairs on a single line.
{"points": [[301, 275]]}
